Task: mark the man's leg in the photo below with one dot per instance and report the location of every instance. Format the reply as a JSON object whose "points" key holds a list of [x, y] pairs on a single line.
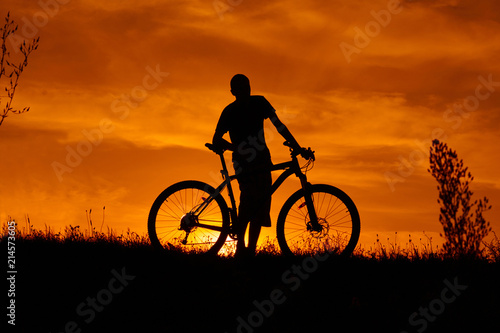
{"points": [[253, 236], [243, 216], [240, 244], [262, 204]]}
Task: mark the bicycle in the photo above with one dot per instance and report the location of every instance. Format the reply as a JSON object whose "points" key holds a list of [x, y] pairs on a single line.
{"points": [[194, 216]]}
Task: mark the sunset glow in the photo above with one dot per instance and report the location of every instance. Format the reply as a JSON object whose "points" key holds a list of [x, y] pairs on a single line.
{"points": [[123, 95]]}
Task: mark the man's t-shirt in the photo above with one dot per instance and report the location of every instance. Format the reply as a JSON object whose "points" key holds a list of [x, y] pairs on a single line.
{"points": [[244, 120]]}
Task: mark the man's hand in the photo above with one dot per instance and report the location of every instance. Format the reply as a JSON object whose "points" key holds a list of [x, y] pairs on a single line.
{"points": [[307, 153], [221, 143]]}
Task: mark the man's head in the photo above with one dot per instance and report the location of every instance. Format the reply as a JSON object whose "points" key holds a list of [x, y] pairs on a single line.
{"points": [[240, 86]]}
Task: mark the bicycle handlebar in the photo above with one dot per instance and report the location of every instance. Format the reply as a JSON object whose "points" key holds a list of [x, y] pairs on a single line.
{"points": [[305, 153]]}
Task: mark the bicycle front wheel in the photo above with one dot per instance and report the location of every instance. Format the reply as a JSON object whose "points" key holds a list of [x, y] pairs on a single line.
{"points": [[175, 223], [338, 225]]}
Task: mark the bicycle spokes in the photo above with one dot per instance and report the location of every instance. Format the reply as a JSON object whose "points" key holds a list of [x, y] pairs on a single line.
{"points": [[188, 218], [333, 226]]}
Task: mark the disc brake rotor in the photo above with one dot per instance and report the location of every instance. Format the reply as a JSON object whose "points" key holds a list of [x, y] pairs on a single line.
{"points": [[319, 230]]}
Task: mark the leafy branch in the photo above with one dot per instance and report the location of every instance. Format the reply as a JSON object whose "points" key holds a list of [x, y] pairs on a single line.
{"points": [[10, 68]]}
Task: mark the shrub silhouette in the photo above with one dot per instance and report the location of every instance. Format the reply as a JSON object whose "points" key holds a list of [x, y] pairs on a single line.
{"points": [[464, 228], [11, 67]]}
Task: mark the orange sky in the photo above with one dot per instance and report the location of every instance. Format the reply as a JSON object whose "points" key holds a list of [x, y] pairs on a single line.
{"points": [[367, 84]]}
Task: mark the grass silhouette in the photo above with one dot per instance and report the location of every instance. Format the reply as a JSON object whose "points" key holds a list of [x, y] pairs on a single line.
{"points": [[392, 250], [376, 289]]}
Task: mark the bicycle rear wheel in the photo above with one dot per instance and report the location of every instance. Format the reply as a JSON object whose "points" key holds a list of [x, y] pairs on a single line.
{"points": [[172, 223], [338, 218]]}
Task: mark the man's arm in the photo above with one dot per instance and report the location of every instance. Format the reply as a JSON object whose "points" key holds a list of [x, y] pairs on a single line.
{"points": [[283, 130], [219, 142]]}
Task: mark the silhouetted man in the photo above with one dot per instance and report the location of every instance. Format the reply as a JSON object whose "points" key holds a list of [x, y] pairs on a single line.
{"points": [[244, 120]]}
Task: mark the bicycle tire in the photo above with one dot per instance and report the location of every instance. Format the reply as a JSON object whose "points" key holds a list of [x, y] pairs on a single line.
{"points": [[337, 215], [170, 207]]}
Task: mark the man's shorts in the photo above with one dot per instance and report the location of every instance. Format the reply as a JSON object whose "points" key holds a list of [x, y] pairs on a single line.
{"points": [[255, 197]]}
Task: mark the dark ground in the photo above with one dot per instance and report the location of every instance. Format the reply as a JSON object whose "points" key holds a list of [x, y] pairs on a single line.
{"points": [[140, 290]]}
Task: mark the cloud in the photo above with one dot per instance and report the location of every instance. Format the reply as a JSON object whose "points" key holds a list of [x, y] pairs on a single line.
{"points": [[361, 117]]}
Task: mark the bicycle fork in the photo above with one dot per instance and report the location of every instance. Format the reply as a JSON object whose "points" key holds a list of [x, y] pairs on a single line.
{"points": [[313, 224]]}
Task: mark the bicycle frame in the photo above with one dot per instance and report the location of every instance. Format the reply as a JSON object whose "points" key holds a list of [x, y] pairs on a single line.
{"points": [[195, 215], [290, 168]]}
